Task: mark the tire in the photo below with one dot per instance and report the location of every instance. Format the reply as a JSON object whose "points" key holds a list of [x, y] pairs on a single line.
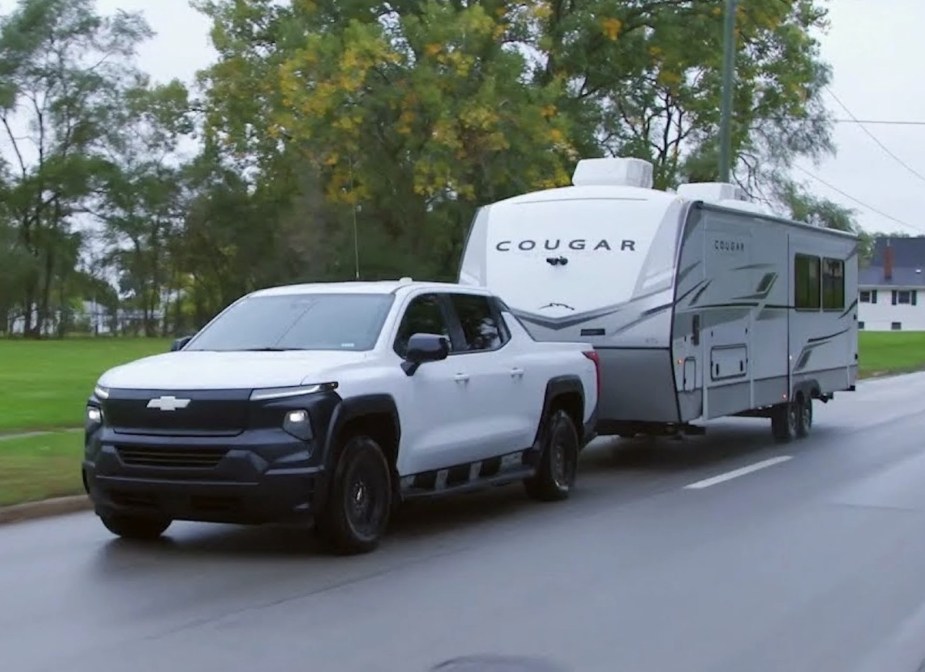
{"points": [[135, 527], [359, 507], [805, 420], [784, 421], [558, 463]]}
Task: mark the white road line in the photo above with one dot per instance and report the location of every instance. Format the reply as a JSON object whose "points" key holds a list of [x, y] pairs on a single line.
{"points": [[729, 475]]}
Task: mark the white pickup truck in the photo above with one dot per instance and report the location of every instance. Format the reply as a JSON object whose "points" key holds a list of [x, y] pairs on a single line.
{"points": [[333, 403]]}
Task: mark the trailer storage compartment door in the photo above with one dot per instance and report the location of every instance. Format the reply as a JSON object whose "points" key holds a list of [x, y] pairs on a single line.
{"points": [[728, 362]]}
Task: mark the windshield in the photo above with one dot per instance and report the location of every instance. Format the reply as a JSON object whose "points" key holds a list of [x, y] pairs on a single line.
{"points": [[298, 322]]}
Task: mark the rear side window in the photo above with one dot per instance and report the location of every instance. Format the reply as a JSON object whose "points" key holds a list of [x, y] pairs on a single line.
{"points": [[806, 285], [833, 284], [481, 324]]}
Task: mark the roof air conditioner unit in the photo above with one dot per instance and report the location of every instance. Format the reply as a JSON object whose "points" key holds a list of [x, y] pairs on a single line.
{"points": [[619, 172], [713, 192]]}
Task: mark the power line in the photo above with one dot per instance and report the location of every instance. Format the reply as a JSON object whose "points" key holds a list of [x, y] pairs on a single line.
{"points": [[874, 138], [882, 122], [859, 202]]}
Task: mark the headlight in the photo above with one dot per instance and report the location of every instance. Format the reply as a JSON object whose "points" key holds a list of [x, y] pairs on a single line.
{"points": [[94, 415], [268, 393], [299, 424]]}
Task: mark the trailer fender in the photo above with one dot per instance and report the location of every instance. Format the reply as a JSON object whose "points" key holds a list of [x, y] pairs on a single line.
{"points": [[808, 389]]}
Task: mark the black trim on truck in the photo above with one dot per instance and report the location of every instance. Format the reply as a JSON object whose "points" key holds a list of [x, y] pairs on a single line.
{"points": [[568, 386], [375, 415], [263, 473]]}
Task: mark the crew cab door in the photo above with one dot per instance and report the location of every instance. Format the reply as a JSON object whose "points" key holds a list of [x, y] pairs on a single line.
{"points": [[434, 403], [499, 378]]}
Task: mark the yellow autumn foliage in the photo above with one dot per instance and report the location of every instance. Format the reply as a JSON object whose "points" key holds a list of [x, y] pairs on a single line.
{"points": [[611, 28]]}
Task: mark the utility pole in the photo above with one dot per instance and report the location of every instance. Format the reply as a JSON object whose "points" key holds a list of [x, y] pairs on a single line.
{"points": [[725, 124]]}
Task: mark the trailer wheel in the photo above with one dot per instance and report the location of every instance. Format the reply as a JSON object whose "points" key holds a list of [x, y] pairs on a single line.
{"points": [[785, 420], [805, 422]]}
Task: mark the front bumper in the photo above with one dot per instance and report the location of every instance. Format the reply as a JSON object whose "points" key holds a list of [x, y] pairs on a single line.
{"points": [[261, 476]]}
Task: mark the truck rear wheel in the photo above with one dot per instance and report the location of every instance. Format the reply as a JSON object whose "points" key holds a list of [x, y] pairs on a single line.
{"points": [[558, 464], [357, 512]]}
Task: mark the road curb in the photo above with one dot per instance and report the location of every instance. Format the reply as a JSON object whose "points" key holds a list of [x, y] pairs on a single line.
{"points": [[44, 509], [39, 432]]}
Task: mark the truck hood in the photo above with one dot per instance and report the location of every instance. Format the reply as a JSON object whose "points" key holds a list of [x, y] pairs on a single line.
{"points": [[206, 370]]}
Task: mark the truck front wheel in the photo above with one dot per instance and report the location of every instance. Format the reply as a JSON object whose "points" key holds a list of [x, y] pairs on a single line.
{"points": [[134, 527], [357, 512]]}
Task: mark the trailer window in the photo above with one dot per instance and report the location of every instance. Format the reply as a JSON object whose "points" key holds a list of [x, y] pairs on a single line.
{"points": [[806, 282], [833, 284]]}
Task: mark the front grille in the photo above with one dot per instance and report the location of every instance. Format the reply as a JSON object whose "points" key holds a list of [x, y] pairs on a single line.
{"points": [[195, 413], [186, 458]]}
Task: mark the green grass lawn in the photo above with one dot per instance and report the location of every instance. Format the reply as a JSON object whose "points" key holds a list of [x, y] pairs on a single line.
{"points": [[883, 352], [44, 384], [33, 468]]}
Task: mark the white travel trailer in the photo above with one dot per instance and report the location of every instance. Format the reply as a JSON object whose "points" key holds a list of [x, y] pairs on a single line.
{"points": [[700, 304]]}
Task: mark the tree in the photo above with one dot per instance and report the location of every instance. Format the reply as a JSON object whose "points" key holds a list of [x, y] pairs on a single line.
{"points": [[802, 205], [141, 204], [416, 112], [63, 68], [646, 77]]}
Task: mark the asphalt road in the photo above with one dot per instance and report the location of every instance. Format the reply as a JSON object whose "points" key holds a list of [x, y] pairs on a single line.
{"points": [[815, 563]]}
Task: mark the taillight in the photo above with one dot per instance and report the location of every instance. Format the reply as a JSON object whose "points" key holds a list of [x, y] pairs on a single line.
{"points": [[594, 357]]}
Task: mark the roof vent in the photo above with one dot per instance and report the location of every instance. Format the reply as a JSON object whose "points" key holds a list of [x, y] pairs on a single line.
{"points": [[618, 172], [713, 192], [405, 281]]}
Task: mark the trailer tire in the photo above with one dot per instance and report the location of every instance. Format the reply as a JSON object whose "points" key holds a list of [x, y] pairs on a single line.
{"points": [[785, 419], [805, 420]]}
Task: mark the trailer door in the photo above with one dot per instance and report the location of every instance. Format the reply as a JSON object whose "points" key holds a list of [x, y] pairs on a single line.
{"points": [[727, 310]]}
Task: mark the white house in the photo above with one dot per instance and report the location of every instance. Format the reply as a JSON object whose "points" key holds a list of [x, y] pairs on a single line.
{"points": [[891, 293]]}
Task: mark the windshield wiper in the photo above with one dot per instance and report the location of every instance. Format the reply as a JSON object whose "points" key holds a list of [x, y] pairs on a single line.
{"points": [[270, 349]]}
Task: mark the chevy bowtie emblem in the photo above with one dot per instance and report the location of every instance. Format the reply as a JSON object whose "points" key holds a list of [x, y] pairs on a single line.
{"points": [[168, 403]]}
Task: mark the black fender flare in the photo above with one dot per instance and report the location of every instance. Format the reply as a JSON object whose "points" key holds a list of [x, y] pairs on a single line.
{"points": [[557, 387], [347, 410]]}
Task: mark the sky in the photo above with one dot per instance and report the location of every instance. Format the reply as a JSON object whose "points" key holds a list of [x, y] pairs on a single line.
{"points": [[876, 56]]}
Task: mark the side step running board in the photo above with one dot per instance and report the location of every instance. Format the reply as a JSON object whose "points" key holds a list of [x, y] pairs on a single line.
{"points": [[503, 478]]}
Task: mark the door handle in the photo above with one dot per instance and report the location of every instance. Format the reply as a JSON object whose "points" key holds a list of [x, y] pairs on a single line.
{"points": [[461, 377], [517, 372]]}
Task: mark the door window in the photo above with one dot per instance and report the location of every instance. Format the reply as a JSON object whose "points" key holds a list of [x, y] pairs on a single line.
{"points": [[424, 315], [481, 326]]}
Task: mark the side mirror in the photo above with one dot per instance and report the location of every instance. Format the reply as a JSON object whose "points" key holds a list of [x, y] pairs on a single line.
{"points": [[180, 343], [424, 348]]}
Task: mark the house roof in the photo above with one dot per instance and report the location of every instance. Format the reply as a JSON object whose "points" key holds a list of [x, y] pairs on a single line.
{"points": [[908, 263], [902, 277]]}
